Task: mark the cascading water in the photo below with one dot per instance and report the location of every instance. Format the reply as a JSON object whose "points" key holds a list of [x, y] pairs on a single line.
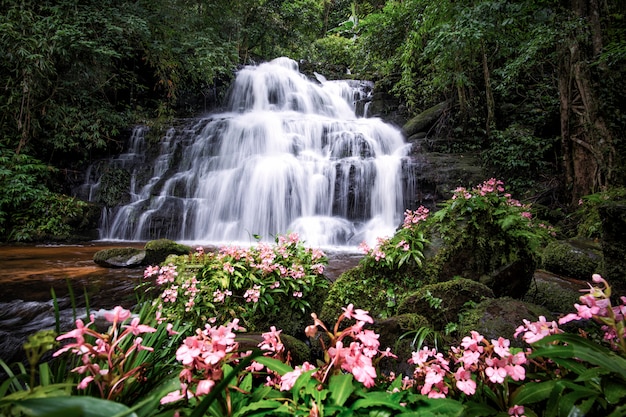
{"points": [[288, 155]]}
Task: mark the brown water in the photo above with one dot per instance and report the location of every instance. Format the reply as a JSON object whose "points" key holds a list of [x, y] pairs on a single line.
{"points": [[30, 272]]}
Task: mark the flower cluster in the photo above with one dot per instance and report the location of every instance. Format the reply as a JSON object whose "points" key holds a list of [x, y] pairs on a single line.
{"points": [[406, 244], [201, 285], [596, 305], [203, 357], [105, 356], [353, 349], [477, 361], [491, 187], [411, 218]]}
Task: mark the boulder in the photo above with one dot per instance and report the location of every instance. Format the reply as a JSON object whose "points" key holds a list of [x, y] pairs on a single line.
{"points": [[443, 301], [120, 257], [497, 317], [424, 120], [158, 250], [575, 258]]}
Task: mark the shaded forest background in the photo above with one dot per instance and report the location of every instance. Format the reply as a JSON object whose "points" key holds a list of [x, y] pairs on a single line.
{"points": [[537, 86]]}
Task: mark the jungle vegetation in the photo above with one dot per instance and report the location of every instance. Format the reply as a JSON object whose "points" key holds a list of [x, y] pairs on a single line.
{"points": [[536, 85]]}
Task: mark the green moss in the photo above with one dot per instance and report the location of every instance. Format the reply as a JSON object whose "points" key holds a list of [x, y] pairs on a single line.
{"points": [[500, 317], [552, 296], [158, 250], [117, 256], [298, 350], [376, 291], [573, 259], [443, 301]]}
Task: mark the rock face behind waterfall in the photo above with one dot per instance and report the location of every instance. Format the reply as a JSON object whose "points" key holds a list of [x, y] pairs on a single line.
{"points": [[287, 154]]}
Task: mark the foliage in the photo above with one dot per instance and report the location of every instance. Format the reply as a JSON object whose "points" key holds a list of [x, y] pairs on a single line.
{"points": [[518, 157], [405, 246], [590, 224], [251, 284], [28, 209], [493, 222], [558, 374]]}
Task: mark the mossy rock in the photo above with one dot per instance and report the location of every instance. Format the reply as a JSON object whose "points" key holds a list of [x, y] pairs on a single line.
{"points": [[397, 333], [453, 296], [298, 350], [120, 257], [368, 289], [556, 295], [573, 258], [158, 250], [501, 317]]}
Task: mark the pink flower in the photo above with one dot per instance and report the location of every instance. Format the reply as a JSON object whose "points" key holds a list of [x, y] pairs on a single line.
{"points": [[288, 380], [150, 271], [464, 381], [136, 328], [172, 397], [84, 383], [495, 373], [501, 347], [118, 315], [516, 411], [204, 386], [358, 314], [189, 351]]}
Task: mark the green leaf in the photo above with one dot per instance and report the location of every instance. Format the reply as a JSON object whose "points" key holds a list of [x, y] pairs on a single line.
{"points": [[532, 392], [583, 349], [260, 405], [378, 399], [341, 387], [614, 391], [274, 364], [82, 406]]}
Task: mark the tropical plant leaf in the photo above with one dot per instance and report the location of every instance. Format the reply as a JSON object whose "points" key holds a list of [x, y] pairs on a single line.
{"points": [[340, 387], [70, 406]]}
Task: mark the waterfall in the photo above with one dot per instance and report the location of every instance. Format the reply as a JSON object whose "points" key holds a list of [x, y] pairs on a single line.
{"points": [[288, 154]]}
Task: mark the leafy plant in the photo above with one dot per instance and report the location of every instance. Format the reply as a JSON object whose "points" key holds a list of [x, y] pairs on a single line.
{"points": [[241, 282]]}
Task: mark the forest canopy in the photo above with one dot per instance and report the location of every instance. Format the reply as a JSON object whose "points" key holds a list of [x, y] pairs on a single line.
{"points": [[537, 86]]}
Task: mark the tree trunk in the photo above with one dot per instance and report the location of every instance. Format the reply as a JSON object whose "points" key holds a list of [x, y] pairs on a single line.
{"points": [[587, 146]]}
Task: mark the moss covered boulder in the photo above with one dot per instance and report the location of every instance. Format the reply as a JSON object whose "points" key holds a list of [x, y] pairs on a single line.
{"points": [[158, 250], [398, 334], [574, 258], [554, 292], [501, 317], [120, 257], [371, 289], [442, 302]]}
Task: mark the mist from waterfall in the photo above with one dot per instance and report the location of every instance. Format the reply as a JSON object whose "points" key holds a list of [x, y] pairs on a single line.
{"points": [[288, 154]]}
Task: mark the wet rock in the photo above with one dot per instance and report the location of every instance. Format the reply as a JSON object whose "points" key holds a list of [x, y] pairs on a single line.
{"points": [[120, 257], [158, 250], [424, 120]]}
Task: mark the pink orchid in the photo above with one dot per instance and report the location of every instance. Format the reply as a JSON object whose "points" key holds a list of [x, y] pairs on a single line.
{"points": [[358, 314], [136, 328], [118, 315]]}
